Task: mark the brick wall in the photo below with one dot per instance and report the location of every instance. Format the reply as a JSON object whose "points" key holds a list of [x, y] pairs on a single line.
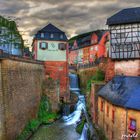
{"points": [[58, 70], [20, 92], [110, 70], [94, 100]]}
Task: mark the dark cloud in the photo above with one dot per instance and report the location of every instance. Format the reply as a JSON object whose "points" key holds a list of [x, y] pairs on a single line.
{"points": [[13, 7], [72, 16]]}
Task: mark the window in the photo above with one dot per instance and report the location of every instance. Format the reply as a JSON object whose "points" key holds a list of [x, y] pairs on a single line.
{"points": [[43, 45], [91, 48], [107, 111], [102, 105], [93, 41], [132, 124], [62, 46], [52, 36], [61, 36], [42, 35], [96, 48], [113, 116], [120, 35]]}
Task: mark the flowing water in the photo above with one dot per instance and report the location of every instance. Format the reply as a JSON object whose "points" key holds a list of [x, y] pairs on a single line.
{"points": [[65, 128]]}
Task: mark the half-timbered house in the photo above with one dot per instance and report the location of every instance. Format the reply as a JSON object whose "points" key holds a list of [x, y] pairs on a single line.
{"points": [[124, 29]]}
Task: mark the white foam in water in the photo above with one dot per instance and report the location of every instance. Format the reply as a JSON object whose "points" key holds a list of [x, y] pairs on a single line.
{"points": [[75, 116], [84, 135]]}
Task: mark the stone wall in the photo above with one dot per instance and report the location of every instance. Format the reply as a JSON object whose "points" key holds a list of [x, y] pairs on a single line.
{"points": [[87, 73], [51, 89], [122, 67], [20, 90], [93, 100], [129, 68]]}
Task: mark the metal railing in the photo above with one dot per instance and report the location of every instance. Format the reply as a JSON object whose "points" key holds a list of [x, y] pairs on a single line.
{"points": [[87, 65]]}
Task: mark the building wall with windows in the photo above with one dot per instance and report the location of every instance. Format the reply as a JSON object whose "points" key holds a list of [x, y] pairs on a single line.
{"points": [[11, 41], [51, 50], [80, 56], [125, 41], [86, 54], [90, 46], [50, 46], [73, 57], [117, 122]]}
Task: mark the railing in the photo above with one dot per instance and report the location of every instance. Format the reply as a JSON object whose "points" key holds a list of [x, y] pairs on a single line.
{"points": [[87, 65]]}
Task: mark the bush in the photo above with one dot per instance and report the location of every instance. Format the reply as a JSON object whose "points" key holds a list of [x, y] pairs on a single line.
{"points": [[98, 77], [44, 116], [30, 127]]}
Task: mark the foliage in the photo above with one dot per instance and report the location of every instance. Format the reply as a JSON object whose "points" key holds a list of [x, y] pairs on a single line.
{"points": [[30, 127], [80, 126], [44, 114], [44, 117], [97, 78]]}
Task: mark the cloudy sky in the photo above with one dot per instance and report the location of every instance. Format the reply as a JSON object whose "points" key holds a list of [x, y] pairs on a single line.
{"points": [[72, 16]]}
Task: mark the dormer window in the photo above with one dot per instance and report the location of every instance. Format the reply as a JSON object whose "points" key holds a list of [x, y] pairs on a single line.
{"points": [[62, 46], [61, 36], [51, 35], [42, 35], [43, 45]]}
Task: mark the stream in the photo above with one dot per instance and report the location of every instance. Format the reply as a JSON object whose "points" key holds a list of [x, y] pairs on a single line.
{"points": [[64, 129]]}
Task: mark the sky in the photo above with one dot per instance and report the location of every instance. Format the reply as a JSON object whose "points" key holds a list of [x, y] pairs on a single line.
{"points": [[72, 16]]}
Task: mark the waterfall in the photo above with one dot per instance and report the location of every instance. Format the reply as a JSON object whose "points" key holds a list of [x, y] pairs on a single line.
{"points": [[84, 135], [73, 82], [80, 107]]}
